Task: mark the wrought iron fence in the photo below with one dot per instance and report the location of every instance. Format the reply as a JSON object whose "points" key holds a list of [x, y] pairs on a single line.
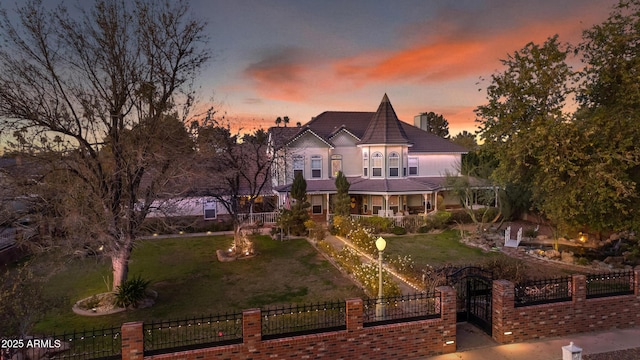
{"points": [[294, 320], [105, 343], [198, 332], [610, 284], [405, 308], [543, 291]]}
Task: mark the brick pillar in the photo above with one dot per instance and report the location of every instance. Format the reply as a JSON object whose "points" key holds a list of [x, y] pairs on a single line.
{"points": [[448, 314], [580, 319], [132, 341], [355, 314], [503, 305], [251, 328], [636, 280]]}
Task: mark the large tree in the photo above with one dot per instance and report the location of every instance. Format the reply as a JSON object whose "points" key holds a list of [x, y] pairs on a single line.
{"points": [[437, 124], [608, 119], [523, 124], [101, 83]]}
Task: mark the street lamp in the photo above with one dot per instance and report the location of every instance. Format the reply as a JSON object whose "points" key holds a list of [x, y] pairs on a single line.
{"points": [[380, 245]]}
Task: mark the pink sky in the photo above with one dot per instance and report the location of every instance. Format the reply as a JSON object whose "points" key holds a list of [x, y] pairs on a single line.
{"points": [[300, 58]]}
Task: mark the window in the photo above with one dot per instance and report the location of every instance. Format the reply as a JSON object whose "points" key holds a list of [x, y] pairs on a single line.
{"points": [[336, 164], [210, 209], [376, 167], [365, 164], [413, 166], [394, 164], [316, 204], [376, 204], [298, 165], [316, 166]]}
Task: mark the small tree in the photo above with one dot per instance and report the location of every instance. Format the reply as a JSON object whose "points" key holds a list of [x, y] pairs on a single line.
{"points": [[342, 200], [292, 220]]}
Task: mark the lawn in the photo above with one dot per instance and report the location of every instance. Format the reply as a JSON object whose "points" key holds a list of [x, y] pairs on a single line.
{"points": [[435, 249], [191, 282]]}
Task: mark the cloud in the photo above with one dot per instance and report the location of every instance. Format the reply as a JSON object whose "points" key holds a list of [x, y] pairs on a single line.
{"points": [[279, 72], [456, 43]]}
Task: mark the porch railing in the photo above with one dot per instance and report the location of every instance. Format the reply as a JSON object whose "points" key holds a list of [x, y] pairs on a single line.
{"points": [[265, 217]]}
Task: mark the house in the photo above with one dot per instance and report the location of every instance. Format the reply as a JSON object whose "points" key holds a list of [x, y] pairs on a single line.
{"points": [[393, 167]]}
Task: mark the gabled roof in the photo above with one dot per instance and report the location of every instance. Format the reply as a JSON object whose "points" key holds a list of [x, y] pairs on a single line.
{"points": [[381, 127], [384, 127]]}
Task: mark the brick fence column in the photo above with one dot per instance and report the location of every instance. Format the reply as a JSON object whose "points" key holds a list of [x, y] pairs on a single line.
{"points": [[251, 328], [448, 314], [503, 305], [636, 280], [581, 319], [355, 314], [132, 341]]}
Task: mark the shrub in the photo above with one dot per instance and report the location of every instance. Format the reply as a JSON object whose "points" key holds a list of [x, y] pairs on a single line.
{"points": [[506, 268], [582, 261], [363, 239], [439, 219], [377, 223], [316, 231], [425, 228], [460, 217], [398, 230], [343, 225], [530, 233], [131, 292]]}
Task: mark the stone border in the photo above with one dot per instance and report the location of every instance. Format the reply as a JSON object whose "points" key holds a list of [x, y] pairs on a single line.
{"points": [[76, 308]]}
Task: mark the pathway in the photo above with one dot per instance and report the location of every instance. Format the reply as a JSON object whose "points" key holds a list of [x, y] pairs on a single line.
{"points": [[339, 243]]}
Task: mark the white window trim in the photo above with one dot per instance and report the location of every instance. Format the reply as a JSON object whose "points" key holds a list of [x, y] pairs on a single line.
{"points": [[299, 159], [316, 158], [417, 163], [397, 167], [377, 156]]}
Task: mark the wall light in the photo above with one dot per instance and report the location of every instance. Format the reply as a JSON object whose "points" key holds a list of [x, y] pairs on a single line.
{"points": [[449, 342], [508, 332]]}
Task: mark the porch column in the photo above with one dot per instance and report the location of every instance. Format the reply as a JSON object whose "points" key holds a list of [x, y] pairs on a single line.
{"points": [[426, 200], [327, 207], [386, 205], [435, 201]]}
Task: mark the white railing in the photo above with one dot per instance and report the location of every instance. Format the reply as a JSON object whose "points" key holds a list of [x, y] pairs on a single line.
{"points": [[265, 218]]}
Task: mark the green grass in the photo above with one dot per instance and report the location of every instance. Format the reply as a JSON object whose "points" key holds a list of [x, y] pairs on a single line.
{"points": [[435, 249], [191, 282]]}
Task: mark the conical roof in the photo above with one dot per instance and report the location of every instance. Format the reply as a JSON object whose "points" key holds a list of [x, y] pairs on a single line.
{"points": [[384, 127]]}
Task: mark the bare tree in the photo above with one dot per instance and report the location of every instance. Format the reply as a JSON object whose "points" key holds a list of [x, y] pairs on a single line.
{"points": [[102, 83], [237, 167]]}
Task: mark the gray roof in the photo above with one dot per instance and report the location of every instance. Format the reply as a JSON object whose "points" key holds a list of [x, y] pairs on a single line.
{"points": [[384, 127], [360, 125], [367, 186]]}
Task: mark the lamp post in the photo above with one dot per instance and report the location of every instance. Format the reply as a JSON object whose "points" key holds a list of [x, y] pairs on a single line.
{"points": [[380, 245]]}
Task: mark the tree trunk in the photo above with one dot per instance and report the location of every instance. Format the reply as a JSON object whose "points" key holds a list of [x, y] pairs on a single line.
{"points": [[120, 265]]}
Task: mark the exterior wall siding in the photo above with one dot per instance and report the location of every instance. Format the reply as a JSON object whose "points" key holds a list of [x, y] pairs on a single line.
{"points": [[438, 165]]}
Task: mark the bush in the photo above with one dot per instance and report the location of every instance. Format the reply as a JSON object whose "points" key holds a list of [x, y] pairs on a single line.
{"points": [[377, 223], [530, 233], [425, 228], [398, 230], [342, 225], [131, 292], [440, 219], [316, 231]]}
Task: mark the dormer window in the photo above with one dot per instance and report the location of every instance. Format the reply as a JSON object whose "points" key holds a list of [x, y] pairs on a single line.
{"points": [[394, 164], [376, 167]]}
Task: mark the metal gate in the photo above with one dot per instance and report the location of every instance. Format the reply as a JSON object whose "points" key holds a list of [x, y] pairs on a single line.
{"points": [[474, 287]]}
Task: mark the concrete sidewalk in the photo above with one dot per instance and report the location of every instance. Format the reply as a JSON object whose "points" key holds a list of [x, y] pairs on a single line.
{"points": [[551, 349]]}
